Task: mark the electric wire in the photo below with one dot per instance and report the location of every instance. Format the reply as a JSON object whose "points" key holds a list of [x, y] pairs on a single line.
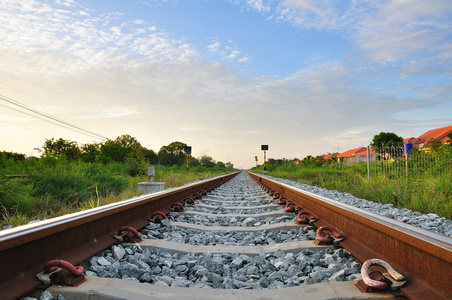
{"points": [[49, 121], [56, 121]]}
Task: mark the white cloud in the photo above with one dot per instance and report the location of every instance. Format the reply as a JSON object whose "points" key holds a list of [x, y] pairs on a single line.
{"points": [[81, 40], [399, 30], [111, 112], [214, 47], [101, 68], [256, 5], [67, 3], [232, 54]]}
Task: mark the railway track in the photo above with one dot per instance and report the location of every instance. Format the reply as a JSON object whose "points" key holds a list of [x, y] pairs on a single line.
{"points": [[237, 237]]}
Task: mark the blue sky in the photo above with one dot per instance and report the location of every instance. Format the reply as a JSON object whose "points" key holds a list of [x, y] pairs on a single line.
{"points": [[306, 77]]}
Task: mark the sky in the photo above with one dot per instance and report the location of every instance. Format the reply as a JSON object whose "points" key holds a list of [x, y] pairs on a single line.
{"points": [[305, 77]]}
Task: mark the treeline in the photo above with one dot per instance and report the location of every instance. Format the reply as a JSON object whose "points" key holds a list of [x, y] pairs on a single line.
{"points": [[68, 177], [125, 149], [428, 192]]}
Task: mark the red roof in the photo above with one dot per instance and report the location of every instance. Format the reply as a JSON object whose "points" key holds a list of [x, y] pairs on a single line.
{"points": [[330, 155], [356, 152], [439, 133]]}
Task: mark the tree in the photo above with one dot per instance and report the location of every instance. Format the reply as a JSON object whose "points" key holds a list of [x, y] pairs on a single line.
{"points": [[13, 155], [113, 150], [220, 164], [386, 139], [123, 146], [206, 161], [90, 152], [57, 148], [150, 156], [172, 154], [229, 165], [434, 145]]}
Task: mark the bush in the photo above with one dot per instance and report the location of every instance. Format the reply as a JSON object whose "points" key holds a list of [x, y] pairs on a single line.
{"points": [[14, 196], [76, 184], [135, 167]]}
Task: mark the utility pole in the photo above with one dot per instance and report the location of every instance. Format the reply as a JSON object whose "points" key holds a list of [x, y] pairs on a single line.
{"points": [[265, 148], [188, 152]]}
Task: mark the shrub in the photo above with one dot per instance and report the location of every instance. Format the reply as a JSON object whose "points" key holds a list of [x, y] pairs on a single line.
{"points": [[76, 183]]}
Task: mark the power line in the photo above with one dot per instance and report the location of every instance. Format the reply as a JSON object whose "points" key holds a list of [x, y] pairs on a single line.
{"points": [[53, 120]]}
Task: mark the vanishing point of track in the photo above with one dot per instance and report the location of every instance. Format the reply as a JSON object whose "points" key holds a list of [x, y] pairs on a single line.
{"points": [[423, 257]]}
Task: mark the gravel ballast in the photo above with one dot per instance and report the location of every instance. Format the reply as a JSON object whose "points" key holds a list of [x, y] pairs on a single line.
{"points": [[430, 222], [226, 271]]}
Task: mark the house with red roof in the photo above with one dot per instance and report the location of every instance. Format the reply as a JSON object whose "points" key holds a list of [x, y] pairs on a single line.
{"points": [[357, 155], [438, 133]]}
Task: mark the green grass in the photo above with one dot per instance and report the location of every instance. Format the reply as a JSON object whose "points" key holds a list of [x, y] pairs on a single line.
{"points": [[428, 194], [57, 187]]}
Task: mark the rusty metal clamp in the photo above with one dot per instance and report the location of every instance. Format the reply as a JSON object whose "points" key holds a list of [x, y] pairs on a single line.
{"points": [[327, 239], [177, 207], [128, 234], [282, 200], [197, 196], [377, 280], [157, 217], [188, 200], [292, 207], [61, 272], [305, 217]]}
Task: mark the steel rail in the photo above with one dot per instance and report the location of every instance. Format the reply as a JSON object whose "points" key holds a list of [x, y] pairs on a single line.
{"points": [[422, 256], [76, 237]]}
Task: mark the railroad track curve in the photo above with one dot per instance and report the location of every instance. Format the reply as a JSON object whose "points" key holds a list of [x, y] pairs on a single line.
{"points": [[233, 236]]}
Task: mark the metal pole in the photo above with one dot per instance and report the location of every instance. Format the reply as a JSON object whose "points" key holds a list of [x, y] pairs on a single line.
{"points": [[368, 163], [406, 164]]}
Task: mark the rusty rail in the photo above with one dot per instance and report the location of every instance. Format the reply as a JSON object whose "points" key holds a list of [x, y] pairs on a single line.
{"points": [[424, 257], [74, 238]]}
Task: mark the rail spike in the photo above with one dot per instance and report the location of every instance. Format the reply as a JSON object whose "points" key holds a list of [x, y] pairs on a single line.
{"points": [[377, 281], [61, 272], [157, 217], [327, 239], [128, 234], [177, 207], [305, 217]]}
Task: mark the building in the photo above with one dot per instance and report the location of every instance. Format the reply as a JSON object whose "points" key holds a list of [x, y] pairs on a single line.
{"points": [[438, 133], [356, 155]]}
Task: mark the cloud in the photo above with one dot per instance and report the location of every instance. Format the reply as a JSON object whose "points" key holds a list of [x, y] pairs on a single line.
{"points": [[80, 39], [399, 30], [214, 47], [116, 76], [111, 112], [255, 5]]}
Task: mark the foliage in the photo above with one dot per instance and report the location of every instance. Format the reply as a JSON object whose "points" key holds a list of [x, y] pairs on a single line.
{"points": [[431, 193], [90, 152], [61, 147], [206, 161], [386, 139], [434, 145], [62, 181], [121, 147], [172, 154], [76, 182], [12, 155]]}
